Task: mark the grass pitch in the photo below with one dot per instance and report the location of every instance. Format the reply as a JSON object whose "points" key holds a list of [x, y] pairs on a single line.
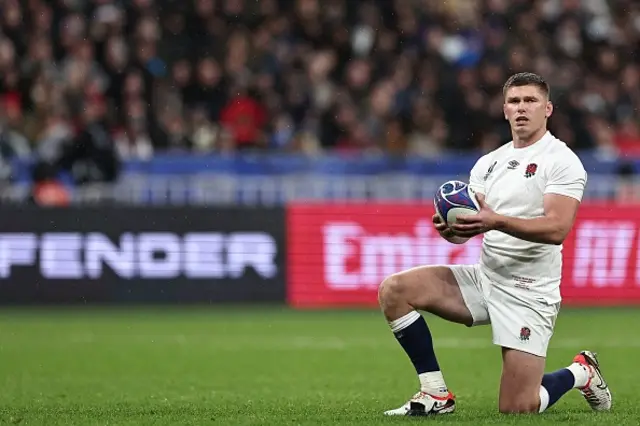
{"points": [[274, 366]]}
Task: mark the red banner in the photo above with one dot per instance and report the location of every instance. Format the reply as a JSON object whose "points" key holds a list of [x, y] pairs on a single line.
{"points": [[339, 254]]}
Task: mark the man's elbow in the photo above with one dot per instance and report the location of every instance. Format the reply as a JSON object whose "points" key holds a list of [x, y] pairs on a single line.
{"points": [[558, 236], [555, 240]]}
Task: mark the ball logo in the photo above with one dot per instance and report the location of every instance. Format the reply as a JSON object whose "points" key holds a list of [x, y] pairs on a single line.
{"points": [[453, 198], [455, 193]]}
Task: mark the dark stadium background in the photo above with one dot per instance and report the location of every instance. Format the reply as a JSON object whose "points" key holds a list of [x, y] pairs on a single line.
{"points": [[200, 197]]}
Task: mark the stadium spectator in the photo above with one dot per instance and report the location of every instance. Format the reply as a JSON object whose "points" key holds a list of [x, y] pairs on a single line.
{"points": [[408, 77]]}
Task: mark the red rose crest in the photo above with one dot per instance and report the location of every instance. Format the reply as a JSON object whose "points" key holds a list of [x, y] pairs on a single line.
{"points": [[525, 334], [531, 170]]}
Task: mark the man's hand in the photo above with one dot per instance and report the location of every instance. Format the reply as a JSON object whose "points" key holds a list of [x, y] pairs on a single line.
{"points": [[471, 225], [439, 224], [446, 232]]}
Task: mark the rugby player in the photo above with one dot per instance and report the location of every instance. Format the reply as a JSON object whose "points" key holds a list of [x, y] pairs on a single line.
{"points": [[529, 191]]}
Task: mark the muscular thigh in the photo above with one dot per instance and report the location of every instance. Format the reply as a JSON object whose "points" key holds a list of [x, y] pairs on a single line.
{"points": [[434, 289]]}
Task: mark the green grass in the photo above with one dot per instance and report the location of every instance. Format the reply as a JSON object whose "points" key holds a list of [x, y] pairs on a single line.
{"points": [[275, 367]]}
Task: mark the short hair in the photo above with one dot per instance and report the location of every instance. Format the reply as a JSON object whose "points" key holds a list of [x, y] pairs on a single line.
{"points": [[526, 79]]}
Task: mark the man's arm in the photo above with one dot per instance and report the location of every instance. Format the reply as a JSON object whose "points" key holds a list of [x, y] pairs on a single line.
{"points": [[561, 199], [552, 228]]}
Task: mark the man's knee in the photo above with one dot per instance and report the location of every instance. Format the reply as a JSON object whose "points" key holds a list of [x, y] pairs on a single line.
{"points": [[399, 294], [520, 405], [392, 290]]}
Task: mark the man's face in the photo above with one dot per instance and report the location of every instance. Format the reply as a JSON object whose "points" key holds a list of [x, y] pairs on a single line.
{"points": [[527, 109]]}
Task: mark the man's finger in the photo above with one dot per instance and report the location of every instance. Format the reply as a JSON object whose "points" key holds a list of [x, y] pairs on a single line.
{"points": [[467, 218], [464, 227]]}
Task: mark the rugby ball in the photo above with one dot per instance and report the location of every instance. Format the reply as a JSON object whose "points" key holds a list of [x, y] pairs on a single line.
{"points": [[453, 199]]}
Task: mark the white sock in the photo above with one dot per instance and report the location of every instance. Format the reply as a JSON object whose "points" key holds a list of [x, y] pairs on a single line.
{"points": [[404, 322], [433, 383], [580, 373], [544, 399]]}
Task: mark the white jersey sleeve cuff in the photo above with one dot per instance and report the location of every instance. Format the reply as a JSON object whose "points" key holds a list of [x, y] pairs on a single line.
{"points": [[575, 194]]}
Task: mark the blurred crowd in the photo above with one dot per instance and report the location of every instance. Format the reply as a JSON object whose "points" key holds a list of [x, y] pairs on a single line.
{"points": [[86, 83]]}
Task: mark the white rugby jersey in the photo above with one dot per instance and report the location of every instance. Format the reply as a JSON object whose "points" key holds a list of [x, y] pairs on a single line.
{"points": [[514, 182]]}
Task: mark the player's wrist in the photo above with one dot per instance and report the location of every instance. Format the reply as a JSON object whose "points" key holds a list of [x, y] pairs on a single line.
{"points": [[500, 223]]}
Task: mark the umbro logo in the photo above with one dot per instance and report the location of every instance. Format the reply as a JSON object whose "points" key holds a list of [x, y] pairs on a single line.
{"points": [[513, 164]]}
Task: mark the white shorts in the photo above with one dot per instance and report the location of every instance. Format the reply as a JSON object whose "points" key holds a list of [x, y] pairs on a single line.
{"points": [[520, 319]]}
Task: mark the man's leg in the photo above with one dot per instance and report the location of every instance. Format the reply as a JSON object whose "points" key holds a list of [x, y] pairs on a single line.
{"points": [[434, 289], [524, 388], [520, 382], [523, 325]]}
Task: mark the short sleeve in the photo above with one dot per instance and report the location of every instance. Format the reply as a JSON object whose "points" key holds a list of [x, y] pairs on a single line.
{"points": [[567, 177], [478, 174]]}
